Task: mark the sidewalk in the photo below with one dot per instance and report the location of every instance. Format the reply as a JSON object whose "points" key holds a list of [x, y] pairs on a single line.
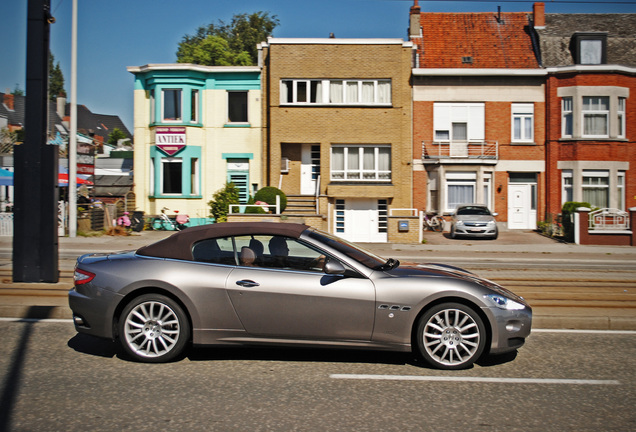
{"points": [[556, 301]]}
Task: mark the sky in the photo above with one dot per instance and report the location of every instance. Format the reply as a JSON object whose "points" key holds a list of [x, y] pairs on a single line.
{"points": [[115, 34]]}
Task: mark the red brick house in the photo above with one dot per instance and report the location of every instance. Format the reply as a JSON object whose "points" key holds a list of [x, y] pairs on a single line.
{"points": [[478, 114], [591, 65]]}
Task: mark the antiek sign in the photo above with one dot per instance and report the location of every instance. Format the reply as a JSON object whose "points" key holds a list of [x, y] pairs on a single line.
{"points": [[170, 140]]}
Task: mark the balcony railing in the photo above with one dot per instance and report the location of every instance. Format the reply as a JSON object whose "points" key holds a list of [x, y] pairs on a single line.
{"points": [[460, 150]]}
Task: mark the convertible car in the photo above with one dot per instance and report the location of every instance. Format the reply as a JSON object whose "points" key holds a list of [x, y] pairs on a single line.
{"points": [[289, 284]]}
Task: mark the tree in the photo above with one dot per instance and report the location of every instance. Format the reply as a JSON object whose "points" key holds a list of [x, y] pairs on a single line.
{"points": [[231, 44], [56, 79], [115, 136], [221, 200]]}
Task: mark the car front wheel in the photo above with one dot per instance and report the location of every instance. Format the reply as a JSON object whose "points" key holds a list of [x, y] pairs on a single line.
{"points": [[153, 329], [451, 336]]}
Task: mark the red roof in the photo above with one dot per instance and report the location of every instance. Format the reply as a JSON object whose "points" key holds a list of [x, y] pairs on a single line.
{"points": [[476, 40]]}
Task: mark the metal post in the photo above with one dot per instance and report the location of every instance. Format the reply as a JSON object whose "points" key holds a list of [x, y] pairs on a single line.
{"points": [[35, 241], [72, 146]]}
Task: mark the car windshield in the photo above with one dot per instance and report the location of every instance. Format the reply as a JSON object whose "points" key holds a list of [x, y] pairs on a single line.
{"points": [[353, 251], [481, 211]]}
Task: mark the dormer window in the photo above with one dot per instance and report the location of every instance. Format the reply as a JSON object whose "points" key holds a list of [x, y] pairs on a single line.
{"points": [[590, 48]]}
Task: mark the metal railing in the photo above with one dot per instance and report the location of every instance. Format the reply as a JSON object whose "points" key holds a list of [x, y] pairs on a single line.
{"points": [[608, 219], [462, 150]]}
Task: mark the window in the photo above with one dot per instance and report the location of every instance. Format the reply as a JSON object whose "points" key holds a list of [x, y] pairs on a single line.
{"points": [[590, 48], [237, 106], [567, 194], [152, 106], [595, 116], [194, 106], [175, 176], [566, 117], [335, 92], [460, 189], [621, 117], [361, 163], [596, 188], [523, 122], [620, 190], [459, 122], [260, 251], [171, 105], [171, 171], [238, 172], [340, 216]]}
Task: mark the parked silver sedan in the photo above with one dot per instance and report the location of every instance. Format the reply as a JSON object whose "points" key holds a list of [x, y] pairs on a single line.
{"points": [[473, 220], [293, 285]]}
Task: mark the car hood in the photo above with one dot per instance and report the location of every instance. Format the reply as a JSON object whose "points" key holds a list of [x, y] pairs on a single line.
{"points": [[474, 218], [431, 270]]}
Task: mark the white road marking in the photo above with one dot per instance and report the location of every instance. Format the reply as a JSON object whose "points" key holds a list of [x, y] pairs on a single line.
{"points": [[474, 379], [616, 332], [32, 320]]}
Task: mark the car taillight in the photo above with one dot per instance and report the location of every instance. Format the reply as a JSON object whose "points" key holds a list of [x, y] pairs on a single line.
{"points": [[82, 276]]}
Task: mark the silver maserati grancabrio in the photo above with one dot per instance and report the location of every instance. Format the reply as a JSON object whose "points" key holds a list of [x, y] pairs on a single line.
{"points": [[289, 284]]}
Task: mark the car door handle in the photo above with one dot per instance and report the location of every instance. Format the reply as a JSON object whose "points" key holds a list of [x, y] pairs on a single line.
{"points": [[247, 283]]}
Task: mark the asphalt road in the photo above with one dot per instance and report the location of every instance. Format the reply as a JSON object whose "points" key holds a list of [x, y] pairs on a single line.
{"points": [[55, 379]]}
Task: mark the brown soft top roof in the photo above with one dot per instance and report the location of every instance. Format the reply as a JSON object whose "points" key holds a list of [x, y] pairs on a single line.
{"points": [[179, 245]]}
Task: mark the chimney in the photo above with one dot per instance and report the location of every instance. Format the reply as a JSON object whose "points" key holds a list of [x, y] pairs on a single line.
{"points": [[538, 10], [61, 106], [414, 20], [9, 101]]}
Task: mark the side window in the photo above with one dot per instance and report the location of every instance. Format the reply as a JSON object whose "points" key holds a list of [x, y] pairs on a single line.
{"points": [[215, 251], [278, 252]]}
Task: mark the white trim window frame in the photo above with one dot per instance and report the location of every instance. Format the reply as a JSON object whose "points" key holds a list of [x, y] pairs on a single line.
{"points": [[461, 188], [567, 191], [622, 122], [172, 98], [361, 163], [567, 117], [522, 122], [459, 122], [595, 113], [596, 188], [362, 92], [175, 185]]}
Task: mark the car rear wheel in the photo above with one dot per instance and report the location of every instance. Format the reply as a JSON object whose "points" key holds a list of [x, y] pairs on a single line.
{"points": [[153, 328], [451, 336]]}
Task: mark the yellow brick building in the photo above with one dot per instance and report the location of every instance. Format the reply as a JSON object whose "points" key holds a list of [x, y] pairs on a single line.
{"points": [[337, 130]]}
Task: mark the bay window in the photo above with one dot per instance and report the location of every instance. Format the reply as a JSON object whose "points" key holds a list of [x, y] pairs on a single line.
{"points": [[171, 106], [596, 188]]}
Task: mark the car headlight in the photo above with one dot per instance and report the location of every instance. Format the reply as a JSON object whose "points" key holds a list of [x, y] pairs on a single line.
{"points": [[503, 302], [490, 223], [460, 223]]}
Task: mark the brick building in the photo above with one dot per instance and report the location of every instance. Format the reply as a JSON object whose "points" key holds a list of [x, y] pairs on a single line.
{"points": [[337, 130], [478, 114], [591, 65]]}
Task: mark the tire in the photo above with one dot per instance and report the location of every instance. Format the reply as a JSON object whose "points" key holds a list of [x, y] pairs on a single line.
{"points": [[153, 329], [437, 224], [450, 336]]}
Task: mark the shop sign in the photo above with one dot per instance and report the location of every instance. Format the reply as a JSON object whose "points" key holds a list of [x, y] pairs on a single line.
{"points": [[170, 140]]}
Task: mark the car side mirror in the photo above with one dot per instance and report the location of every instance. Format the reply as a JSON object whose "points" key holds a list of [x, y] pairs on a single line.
{"points": [[495, 214], [333, 267]]}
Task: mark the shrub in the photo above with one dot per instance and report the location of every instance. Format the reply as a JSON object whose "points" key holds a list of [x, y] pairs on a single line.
{"points": [[221, 200], [567, 218], [254, 210], [268, 195]]}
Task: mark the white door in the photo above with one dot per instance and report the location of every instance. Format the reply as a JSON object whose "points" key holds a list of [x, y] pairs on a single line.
{"points": [[361, 217], [309, 168], [521, 215]]}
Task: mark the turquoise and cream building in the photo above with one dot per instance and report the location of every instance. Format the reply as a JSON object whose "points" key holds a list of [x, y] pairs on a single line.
{"points": [[196, 127]]}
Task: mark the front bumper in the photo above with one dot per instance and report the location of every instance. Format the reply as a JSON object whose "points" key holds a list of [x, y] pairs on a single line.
{"points": [[510, 330]]}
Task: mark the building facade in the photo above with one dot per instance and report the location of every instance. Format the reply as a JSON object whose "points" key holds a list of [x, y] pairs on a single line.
{"points": [[196, 128], [479, 115], [591, 65], [337, 130]]}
